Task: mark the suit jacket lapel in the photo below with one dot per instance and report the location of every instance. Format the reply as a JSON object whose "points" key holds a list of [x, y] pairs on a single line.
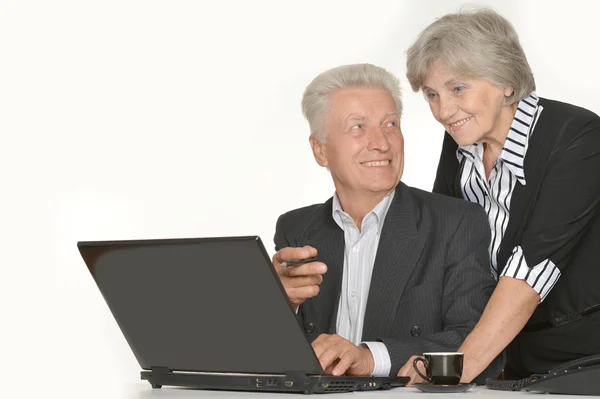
{"points": [[397, 254], [328, 238]]}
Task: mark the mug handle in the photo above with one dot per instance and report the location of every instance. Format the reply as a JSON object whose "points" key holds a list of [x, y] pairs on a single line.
{"points": [[415, 366]]}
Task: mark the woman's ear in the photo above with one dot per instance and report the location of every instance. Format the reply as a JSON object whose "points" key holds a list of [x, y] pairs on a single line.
{"points": [[508, 91], [319, 151]]}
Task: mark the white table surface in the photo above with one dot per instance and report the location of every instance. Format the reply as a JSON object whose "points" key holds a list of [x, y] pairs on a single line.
{"points": [[146, 392]]}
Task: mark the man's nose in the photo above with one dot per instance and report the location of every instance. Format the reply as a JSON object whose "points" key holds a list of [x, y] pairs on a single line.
{"points": [[378, 139]]}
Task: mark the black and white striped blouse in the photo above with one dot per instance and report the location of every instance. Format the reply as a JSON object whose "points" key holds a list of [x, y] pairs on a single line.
{"points": [[495, 193]]}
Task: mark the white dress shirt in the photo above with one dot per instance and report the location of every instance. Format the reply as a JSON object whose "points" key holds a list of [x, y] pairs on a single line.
{"points": [[495, 194], [359, 258]]}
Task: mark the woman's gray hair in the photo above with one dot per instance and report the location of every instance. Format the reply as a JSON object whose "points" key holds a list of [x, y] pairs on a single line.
{"points": [[315, 101], [476, 43]]}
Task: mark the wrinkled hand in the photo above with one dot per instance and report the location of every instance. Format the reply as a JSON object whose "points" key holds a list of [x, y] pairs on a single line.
{"points": [[470, 364], [339, 356], [302, 281], [409, 371]]}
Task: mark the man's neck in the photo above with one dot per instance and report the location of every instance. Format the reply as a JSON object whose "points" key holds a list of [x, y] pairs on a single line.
{"points": [[358, 205]]}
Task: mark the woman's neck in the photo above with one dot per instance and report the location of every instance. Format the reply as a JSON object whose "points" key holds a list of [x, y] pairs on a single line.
{"points": [[493, 143]]}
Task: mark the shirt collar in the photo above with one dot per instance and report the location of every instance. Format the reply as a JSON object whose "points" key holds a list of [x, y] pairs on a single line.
{"points": [[379, 212], [517, 140]]}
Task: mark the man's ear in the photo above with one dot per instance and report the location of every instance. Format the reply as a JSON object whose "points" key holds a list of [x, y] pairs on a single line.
{"points": [[319, 151]]}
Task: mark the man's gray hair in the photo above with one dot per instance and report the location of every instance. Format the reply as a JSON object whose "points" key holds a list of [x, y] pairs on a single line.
{"points": [[476, 43], [315, 101]]}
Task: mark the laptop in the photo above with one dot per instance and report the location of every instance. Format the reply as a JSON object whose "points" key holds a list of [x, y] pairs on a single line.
{"points": [[211, 313]]}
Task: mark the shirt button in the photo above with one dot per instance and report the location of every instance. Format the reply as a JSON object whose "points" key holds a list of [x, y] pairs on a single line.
{"points": [[353, 294], [354, 249]]}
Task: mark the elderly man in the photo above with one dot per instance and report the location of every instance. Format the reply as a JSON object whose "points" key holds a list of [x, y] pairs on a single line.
{"points": [[399, 271]]}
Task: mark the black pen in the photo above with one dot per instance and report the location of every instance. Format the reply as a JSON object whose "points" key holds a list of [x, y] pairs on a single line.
{"points": [[297, 262]]}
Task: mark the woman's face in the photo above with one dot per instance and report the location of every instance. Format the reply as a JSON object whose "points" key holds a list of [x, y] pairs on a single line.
{"points": [[471, 110]]}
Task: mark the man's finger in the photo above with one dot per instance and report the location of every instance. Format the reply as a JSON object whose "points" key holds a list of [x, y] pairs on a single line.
{"points": [[305, 269], [347, 359], [303, 292], [329, 370], [312, 251], [302, 281], [329, 355], [294, 253], [323, 343], [321, 338]]}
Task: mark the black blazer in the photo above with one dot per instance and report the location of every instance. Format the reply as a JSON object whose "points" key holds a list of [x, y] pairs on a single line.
{"points": [[555, 216], [431, 278]]}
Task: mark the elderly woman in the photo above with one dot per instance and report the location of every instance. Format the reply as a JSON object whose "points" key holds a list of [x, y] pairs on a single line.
{"points": [[533, 164]]}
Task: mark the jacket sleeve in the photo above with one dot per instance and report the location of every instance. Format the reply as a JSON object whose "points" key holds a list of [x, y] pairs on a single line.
{"points": [[568, 198], [280, 239]]}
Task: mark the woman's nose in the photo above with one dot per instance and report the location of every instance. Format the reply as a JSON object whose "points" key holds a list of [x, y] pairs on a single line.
{"points": [[447, 108]]}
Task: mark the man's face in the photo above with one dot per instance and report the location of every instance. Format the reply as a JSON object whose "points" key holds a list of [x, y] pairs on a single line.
{"points": [[365, 148]]}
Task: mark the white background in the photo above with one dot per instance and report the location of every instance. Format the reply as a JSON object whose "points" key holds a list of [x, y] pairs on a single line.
{"points": [[157, 119]]}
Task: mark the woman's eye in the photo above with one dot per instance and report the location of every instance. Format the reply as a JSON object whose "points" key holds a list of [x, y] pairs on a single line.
{"points": [[459, 89], [430, 95], [358, 126], [392, 124]]}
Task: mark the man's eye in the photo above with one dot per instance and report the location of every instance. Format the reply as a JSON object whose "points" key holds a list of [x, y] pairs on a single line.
{"points": [[392, 124], [459, 89], [358, 126]]}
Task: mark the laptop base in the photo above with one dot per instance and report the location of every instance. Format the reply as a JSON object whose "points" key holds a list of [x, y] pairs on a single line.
{"points": [[579, 381], [297, 382]]}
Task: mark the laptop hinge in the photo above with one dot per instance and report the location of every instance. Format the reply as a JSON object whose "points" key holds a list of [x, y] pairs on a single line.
{"points": [[295, 375], [158, 370]]}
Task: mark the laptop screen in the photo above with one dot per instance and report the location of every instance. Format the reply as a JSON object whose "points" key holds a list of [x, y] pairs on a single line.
{"points": [[206, 304]]}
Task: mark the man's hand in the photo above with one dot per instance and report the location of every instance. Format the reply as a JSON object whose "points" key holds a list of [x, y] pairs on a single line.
{"points": [[409, 371], [338, 356], [302, 281]]}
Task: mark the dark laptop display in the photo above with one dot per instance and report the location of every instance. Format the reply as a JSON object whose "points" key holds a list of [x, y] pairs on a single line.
{"points": [[210, 313]]}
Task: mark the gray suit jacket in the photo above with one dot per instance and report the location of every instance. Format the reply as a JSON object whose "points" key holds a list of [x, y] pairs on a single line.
{"points": [[431, 279]]}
